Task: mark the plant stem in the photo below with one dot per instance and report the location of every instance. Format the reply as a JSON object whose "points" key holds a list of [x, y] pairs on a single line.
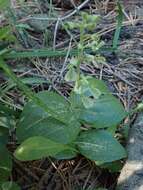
{"points": [[80, 54]]}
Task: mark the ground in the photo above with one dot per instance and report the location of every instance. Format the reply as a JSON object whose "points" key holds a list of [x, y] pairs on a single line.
{"points": [[122, 72]]}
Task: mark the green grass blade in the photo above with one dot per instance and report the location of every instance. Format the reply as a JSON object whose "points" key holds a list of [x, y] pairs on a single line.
{"points": [[46, 53], [38, 53], [119, 26]]}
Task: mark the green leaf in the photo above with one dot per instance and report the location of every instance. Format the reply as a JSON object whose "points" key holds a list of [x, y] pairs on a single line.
{"points": [[34, 121], [100, 146], [73, 62], [66, 155], [38, 147], [82, 88], [90, 86], [76, 102], [98, 114], [71, 75], [90, 18], [9, 185], [56, 103], [96, 84], [107, 111], [5, 162], [50, 128], [89, 21]]}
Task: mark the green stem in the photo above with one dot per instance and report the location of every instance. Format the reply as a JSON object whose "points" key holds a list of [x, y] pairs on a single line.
{"points": [[80, 54]]}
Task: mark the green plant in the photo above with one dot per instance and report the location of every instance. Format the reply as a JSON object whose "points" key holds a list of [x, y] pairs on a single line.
{"points": [[58, 127], [50, 125]]}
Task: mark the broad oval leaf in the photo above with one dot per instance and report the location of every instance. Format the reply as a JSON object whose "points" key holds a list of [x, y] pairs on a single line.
{"points": [[107, 111], [100, 146], [35, 121], [38, 147], [56, 103], [50, 128]]}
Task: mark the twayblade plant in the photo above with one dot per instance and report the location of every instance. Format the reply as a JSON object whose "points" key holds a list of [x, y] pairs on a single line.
{"points": [[58, 132], [49, 125]]}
